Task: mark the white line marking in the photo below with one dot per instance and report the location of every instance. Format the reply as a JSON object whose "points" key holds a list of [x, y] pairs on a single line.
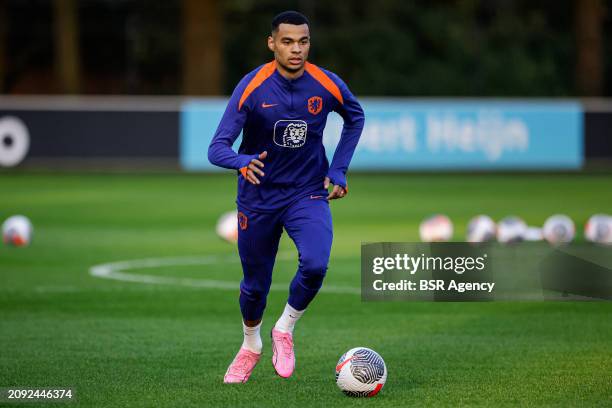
{"points": [[117, 271]]}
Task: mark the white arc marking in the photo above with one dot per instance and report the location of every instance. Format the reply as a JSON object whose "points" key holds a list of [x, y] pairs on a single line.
{"points": [[117, 271]]}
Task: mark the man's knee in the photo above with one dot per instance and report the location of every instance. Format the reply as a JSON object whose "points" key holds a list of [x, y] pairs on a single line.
{"points": [[255, 291], [313, 267]]}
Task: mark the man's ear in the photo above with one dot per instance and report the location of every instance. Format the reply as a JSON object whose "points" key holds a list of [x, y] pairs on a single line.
{"points": [[271, 43]]}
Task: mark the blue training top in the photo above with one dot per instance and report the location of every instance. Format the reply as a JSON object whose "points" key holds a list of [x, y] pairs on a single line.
{"points": [[286, 118]]}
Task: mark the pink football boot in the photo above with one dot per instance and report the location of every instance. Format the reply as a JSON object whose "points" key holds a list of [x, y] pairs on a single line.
{"points": [[241, 368], [283, 358]]}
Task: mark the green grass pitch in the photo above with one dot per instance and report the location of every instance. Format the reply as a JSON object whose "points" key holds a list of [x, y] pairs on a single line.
{"points": [[127, 344]]}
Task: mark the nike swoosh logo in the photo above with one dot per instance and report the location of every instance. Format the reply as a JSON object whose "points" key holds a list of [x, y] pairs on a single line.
{"points": [[268, 105], [339, 366], [313, 197]]}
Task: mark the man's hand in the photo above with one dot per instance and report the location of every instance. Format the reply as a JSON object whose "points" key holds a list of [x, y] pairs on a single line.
{"points": [[337, 192], [254, 168]]}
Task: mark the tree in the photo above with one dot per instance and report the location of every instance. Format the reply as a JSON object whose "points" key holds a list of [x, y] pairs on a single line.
{"points": [[589, 59], [67, 56], [3, 30], [202, 47]]}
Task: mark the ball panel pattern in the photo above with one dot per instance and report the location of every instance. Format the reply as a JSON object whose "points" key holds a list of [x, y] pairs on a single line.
{"points": [[367, 366]]}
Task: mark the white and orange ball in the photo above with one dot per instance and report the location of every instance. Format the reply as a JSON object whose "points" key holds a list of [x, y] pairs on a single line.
{"points": [[481, 228], [361, 372], [598, 229], [558, 229], [17, 231], [437, 228], [227, 226], [511, 229]]}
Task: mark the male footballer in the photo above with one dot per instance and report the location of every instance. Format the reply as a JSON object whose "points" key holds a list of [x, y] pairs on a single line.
{"points": [[283, 181]]}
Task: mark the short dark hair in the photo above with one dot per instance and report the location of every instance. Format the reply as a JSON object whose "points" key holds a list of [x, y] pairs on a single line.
{"points": [[289, 17]]}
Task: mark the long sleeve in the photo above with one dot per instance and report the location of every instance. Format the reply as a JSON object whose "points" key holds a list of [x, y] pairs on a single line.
{"points": [[220, 152], [354, 119]]}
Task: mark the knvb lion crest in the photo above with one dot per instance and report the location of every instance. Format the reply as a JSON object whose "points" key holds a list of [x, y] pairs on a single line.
{"points": [[290, 133], [315, 104]]}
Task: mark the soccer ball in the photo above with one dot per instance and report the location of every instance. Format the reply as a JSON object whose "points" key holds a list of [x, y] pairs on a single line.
{"points": [[361, 372], [481, 228], [599, 229], [227, 226], [559, 229], [437, 228], [17, 231], [511, 229]]}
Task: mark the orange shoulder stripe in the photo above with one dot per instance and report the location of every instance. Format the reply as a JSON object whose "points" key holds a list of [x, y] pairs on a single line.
{"points": [[261, 75], [324, 80]]}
